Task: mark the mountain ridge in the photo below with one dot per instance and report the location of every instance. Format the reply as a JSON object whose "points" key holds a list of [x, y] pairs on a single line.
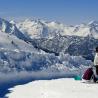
{"points": [[39, 28]]}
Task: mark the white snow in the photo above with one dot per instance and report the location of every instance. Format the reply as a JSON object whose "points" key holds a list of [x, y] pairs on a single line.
{"points": [[59, 88]]}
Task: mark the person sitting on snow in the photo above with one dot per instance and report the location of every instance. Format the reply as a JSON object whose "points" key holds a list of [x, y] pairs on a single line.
{"points": [[95, 68], [91, 74]]}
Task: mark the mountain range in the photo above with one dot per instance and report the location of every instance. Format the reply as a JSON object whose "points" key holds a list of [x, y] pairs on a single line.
{"points": [[33, 45], [39, 28]]}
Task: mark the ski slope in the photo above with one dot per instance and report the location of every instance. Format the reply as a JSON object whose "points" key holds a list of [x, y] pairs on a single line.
{"points": [[59, 88]]}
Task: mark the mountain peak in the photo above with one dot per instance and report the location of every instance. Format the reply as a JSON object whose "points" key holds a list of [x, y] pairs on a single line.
{"points": [[12, 22], [93, 23]]}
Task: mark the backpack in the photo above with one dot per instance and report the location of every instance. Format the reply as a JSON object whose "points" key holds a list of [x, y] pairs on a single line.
{"points": [[88, 74]]}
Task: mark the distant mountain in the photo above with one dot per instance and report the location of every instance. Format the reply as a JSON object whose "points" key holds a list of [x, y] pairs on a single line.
{"points": [[54, 37], [36, 28], [73, 45], [39, 28], [37, 45], [10, 28]]}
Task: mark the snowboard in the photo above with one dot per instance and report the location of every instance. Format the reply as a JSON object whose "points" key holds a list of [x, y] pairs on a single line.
{"points": [[77, 77]]}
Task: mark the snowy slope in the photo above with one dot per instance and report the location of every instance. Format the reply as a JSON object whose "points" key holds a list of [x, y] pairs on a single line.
{"points": [[11, 42], [14, 53], [61, 88], [38, 28]]}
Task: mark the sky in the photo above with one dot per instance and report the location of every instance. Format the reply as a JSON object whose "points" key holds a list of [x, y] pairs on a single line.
{"points": [[65, 11]]}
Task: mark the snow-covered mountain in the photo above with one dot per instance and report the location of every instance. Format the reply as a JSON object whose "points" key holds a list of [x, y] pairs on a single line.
{"points": [[39, 28], [54, 37], [10, 28], [73, 45], [31, 45], [16, 55]]}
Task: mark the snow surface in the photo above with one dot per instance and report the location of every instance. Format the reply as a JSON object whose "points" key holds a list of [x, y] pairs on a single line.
{"points": [[59, 88]]}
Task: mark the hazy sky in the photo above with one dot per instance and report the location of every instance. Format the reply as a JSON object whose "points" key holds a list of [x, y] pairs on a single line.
{"points": [[66, 11]]}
